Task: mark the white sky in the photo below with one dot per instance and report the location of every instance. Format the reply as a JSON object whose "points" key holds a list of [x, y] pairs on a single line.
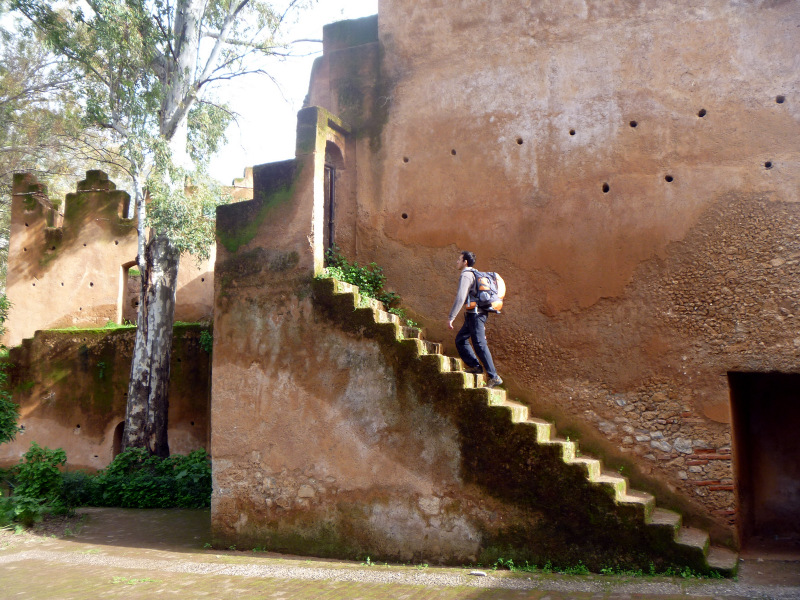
{"points": [[268, 115]]}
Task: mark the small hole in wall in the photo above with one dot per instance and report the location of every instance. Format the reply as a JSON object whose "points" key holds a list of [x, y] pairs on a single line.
{"points": [[91, 284], [453, 151], [33, 284], [177, 360], [572, 132], [78, 426], [405, 159], [606, 188], [116, 242], [702, 113], [768, 164], [634, 124], [24, 249], [668, 179], [62, 284], [80, 308], [404, 215], [95, 456], [52, 247], [520, 141], [202, 279], [191, 423], [26, 225], [84, 245], [780, 99]]}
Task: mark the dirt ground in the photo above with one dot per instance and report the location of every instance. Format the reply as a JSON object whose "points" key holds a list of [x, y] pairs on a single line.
{"points": [[125, 553]]}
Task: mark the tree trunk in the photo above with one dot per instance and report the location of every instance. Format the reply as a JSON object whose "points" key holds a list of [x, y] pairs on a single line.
{"points": [[146, 414]]}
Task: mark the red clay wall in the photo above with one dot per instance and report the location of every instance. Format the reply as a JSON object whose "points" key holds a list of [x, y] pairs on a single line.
{"points": [[71, 388], [66, 268], [632, 171]]}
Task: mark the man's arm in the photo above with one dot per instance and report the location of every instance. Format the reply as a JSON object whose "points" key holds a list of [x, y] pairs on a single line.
{"points": [[464, 283]]}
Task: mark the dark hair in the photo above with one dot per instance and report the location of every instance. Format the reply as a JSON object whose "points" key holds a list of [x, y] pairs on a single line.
{"points": [[469, 257]]}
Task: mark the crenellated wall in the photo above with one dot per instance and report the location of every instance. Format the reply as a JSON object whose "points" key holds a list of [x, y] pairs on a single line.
{"points": [[68, 266]]}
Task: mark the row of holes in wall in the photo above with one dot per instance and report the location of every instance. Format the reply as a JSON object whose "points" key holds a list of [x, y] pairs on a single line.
{"points": [[91, 283], [607, 188]]}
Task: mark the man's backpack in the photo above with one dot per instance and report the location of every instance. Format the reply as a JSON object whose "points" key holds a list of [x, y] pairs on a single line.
{"points": [[487, 292]]}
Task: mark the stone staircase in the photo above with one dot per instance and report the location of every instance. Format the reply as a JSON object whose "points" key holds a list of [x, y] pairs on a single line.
{"points": [[529, 443]]}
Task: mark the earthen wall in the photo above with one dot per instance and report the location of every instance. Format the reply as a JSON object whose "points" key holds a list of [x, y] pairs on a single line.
{"points": [[68, 266], [631, 169], [71, 388]]}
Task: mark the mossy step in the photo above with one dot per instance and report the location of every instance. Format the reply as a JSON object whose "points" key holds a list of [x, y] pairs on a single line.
{"points": [[661, 517], [693, 538], [592, 466], [723, 560], [452, 370], [411, 332]]}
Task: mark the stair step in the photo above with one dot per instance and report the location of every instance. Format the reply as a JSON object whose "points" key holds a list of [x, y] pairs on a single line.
{"points": [[592, 465], [666, 518], [643, 499], [619, 483], [543, 429], [411, 332], [465, 380], [695, 538], [381, 316], [568, 449], [723, 559], [519, 412]]}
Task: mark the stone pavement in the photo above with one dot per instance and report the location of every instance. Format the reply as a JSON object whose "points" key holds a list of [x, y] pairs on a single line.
{"points": [[119, 553]]}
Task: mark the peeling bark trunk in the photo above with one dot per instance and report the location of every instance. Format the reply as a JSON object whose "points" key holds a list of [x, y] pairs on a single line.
{"points": [[146, 413]]}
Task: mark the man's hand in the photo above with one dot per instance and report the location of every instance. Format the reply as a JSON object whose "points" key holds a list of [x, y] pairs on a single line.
{"points": [[450, 323]]}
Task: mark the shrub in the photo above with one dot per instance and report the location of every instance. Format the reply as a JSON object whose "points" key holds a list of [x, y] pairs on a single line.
{"points": [[369, 279], [135, 479], [37, 485]]}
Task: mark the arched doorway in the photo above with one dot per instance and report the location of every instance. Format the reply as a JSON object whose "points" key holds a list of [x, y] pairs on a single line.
{"points": [[116, 445], [334, 161]]}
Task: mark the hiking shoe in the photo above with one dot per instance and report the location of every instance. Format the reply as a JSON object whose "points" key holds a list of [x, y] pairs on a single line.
{"points": [[474, 370], [494, 382]]}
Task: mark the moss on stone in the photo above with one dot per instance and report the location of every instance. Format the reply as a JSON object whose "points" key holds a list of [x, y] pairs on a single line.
{"points": [[238, 224]]}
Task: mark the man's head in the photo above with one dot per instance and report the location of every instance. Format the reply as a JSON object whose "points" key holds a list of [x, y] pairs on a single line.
{"points": [[468, 257]]}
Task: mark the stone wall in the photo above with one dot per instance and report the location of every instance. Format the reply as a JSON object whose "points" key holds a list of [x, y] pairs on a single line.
{"points": [[632, 171], [71, 387], [69, 265]]}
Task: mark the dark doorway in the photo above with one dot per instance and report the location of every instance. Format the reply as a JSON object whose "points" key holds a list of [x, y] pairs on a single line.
{"points": [[328, 233], [766, 435], [116, 446], [334, 162]]}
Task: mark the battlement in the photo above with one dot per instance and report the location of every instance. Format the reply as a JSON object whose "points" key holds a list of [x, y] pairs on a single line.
{"points": [[70, 264]]}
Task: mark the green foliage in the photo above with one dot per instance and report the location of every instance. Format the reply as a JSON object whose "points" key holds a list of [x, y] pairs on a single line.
{"points": [[136, 479], [207, 341], [9, 411], [369, 279], [36, 487]]}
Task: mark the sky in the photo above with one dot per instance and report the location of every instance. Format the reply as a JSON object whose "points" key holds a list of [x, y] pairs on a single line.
{"points": [[268, 112]]}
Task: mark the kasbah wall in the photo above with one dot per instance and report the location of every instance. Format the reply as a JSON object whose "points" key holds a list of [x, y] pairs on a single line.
{"points": [[630, 168], [68, 267]]}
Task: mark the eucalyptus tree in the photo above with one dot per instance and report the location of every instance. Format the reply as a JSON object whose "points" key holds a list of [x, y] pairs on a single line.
{"points": [[147, 67]]}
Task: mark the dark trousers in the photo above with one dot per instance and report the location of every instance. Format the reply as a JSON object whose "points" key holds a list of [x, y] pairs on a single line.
{"points": [[474, 328]]}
